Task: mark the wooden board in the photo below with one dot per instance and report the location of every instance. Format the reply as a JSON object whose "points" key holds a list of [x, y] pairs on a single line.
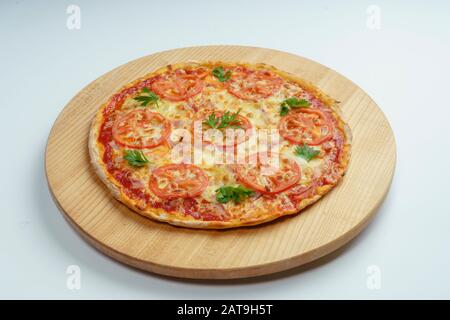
{"points": [[220, 254]]}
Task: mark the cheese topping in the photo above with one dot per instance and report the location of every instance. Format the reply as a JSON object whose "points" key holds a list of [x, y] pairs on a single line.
{"points": [[262, 114]]}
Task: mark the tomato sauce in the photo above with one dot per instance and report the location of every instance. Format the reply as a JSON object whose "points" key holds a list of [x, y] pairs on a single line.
{"points": [[123, 176], [191, 206]]}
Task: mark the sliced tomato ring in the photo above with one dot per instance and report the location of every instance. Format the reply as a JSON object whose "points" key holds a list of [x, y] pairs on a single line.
{"points": [[262, 175], [178, 85], [178, 181], [253, 85], [306, 126], [241, 123], [141, 128]]}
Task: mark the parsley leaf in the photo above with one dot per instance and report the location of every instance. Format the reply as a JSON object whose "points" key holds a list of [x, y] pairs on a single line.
{"points": [[147, 97], [136, 158], [227, 120], [284, 110], [306, 152], [292, 102], [221, 75], [236, 194], [212, 121]]}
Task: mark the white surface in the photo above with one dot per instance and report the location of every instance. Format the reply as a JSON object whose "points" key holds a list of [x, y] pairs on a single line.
{"points": [[404, 66]]}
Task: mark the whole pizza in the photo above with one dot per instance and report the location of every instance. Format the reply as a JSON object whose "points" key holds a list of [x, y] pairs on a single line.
{"points": [[219, 145]]}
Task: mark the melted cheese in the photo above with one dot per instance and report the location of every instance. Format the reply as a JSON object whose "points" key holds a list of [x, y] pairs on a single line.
{"points": [[263, 114]]}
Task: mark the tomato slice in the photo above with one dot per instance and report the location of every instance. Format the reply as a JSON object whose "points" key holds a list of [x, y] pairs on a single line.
{"points": [[261, 175], [178, 85], [140, 129], [253, 85], [241, 123], [306, 126], [178, 181]]}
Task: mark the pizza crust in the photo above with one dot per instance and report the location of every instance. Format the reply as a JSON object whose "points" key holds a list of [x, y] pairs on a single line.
{"points": [[179, 219]]}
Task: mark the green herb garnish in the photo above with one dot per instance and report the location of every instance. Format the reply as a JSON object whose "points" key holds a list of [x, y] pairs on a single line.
{"points": [[147, 97], [293, 102], [221, 75], [306, 152], [136, 158], [227, 120], [237, 194], [284, 110]]}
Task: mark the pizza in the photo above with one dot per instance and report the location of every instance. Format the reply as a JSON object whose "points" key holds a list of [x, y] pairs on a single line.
{"points": [[219, 145]]}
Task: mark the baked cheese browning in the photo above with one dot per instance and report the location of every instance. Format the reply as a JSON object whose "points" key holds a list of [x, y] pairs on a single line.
{"points": [[133, 136]]}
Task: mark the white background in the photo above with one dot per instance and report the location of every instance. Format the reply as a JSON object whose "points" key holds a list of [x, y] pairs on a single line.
{"points": [[404, 66]]}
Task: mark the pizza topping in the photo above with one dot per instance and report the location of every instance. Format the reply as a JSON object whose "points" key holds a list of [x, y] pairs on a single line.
{"points": [[123, 176], [147, 97], [253, 85], [335, 152], [306, 126], [306, 122], [178, 181], [268, 178], [135, 158], [132, 186], [178, 85], [292, 103], [200, 72], [306, 152], [141, 128], [236, 193], [332, 174], [285, 204], [226, 120], [205, 210], [221, 75], [301, 192], [199, 209]]}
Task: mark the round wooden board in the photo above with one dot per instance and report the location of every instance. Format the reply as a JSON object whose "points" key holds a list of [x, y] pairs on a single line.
{"points": [[220, 254]]}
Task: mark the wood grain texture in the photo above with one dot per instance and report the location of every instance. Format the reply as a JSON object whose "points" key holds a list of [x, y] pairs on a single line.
{"points": [[220, 254]]}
